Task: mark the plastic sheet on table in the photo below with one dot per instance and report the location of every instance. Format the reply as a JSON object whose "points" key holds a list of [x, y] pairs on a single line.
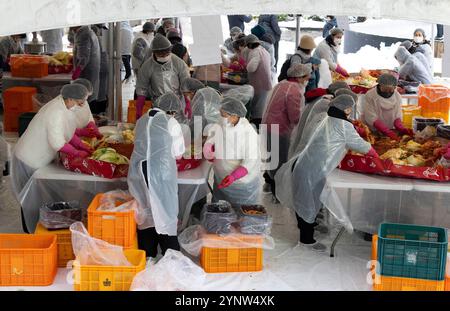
{"points": [[60, 215], [174, 272], [194, 238], [94, 252]]}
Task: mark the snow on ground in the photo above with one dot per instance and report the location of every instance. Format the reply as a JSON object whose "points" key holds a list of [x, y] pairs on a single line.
{"points": [[391, 28]]}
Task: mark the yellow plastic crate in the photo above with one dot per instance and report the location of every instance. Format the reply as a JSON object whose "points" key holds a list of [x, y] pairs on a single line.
{"points": [[107, 278], [409, 112], [64, 243]]}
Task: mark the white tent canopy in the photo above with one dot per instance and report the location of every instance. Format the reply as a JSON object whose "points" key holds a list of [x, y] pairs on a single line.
{"points": [[33, 15]]}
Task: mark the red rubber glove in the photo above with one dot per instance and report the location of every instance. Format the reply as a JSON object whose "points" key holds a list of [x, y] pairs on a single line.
{"points": [[238, 173], [240, 66], [78, 144], [372, 153], [383, 129], [313, 94], [188, 108], [140, 103], [447, 154], [361, 132], [402, 129], [76, 73], [71, 151], [90, 131], [209, 152], [342, 71]]}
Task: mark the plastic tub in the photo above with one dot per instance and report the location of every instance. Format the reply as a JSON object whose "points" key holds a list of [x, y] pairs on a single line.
{"points": [[254, 220], [218, 217], [60, 215], [420, 123], [443, 131]]}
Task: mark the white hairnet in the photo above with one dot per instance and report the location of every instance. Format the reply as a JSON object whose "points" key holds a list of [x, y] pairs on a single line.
{"points": [[337, 85], [243, 93], [168, 102], [235, 30], [86, 83], [343, 102], [402, 55], [387, 79], [191, 85], [148, 26], [160, 43], [347, 92], [251, 39], [299, 70], [74, 91], [234, 106], [206, 103]]}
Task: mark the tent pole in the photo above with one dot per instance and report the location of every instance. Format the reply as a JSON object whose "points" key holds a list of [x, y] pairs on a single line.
{"points": [[111, 95], [446, 56], [297, 31], [117, 73]]}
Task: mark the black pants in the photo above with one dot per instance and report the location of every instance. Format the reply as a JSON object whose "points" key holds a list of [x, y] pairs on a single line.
{"points": [[24, 224], [440, 31], [98, 107], [126, 60], [306, 231], [149, 240], [270, 181], [276, 46]]}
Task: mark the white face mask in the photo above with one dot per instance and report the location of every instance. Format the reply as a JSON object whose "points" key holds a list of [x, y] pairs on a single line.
{"points": [[164, 59], [338, 42], [75, 108], [418, 39], [225, 122]]}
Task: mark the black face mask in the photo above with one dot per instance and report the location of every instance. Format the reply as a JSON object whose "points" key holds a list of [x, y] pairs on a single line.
{"points": [[384, 94]]}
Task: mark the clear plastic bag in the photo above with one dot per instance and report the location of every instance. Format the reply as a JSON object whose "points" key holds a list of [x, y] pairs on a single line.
{"points": [[254, 220], [94, 252], [60, 215], [194, 238], [122, 201], [218, 217], [174, 272]]}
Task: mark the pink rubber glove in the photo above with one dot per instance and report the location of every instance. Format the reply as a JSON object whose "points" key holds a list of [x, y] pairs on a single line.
{"points": [[90, 130], [447, 154], [402, 129], [188, 108], [372, 153], [342, 71], [238, 173], [209, 152], [78, 144], [76, 73], [71, 151], [383, 129], [361, 131], [140, 103], [93, 128]]}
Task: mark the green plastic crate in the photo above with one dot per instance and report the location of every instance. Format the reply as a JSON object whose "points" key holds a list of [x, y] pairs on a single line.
{"points": [[411, 251]]}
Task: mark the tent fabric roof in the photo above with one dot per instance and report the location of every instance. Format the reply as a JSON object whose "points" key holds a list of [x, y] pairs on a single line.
{"points": [[32, 15]]}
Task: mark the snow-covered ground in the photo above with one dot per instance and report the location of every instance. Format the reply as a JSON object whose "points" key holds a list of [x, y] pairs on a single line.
{"points": [[392, 28]]}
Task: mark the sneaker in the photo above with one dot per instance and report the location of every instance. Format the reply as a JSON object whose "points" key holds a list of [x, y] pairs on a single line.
{"points": [[267, 188], [439, 38], [322, 229], [316, 247]]}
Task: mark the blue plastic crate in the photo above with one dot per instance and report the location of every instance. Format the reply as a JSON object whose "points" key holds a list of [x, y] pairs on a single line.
{"points": [[411, 251]]}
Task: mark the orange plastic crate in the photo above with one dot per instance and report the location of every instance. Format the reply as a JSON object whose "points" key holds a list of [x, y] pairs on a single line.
{"points": [[27, 259], [19, 99], [220, 260], [64, 242], [11, 121], [106, 278], [117, 228], [435, 101], [387, 283], [29, 66], [409, 112], [131, 116]]}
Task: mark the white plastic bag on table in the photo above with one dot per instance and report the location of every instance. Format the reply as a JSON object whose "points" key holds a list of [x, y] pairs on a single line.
{"points": [[94, 252], [194, 238], [174, 272], [121, 201]]}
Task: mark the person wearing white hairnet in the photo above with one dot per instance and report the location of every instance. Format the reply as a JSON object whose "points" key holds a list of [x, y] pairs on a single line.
{"points": [[309, 113], [162, 73], [87, 58], [302, 179], [282, 115], [189, 87], [228, 44], [141, 45], [85, 124], [54, 39], [411, 68], [152, 176], [205, 109], [234, 149], [9, 45], [52, 130], [383, 108], [329, 49], [259, 76]]}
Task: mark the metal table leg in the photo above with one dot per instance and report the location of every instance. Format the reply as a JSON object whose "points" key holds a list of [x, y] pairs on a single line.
{"points": [[338, 237]]}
